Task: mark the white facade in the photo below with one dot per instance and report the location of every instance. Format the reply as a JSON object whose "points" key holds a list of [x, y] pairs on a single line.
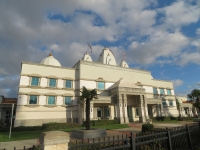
{"points": [[49, 92]]}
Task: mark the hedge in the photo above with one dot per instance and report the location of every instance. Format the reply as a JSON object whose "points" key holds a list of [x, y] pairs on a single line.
{"points": [[147, 127], [162, 118], [185, 118], [102, 122], [21, 128], [52, 126]]}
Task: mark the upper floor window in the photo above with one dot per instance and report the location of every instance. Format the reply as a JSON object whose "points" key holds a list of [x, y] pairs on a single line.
{"points": [[68, 100], [164, 103], [34, 81], [51, 100], [101, 85], [155, 91], [68, 84], [170, 102], [52, 82], [33, 99], [169, 92], [162, 91]]}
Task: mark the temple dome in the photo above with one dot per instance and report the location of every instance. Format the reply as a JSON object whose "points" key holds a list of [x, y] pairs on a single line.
{"points": [[123, 64], [50, 60], [87, 57], [107, 57]]}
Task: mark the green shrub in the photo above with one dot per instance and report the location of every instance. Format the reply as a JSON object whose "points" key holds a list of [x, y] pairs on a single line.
{"points": [[102, 122], [52, 126], [167, 119], [147, 127], [185, 118], [21, 128]]}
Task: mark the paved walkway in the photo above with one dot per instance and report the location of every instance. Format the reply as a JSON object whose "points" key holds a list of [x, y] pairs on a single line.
{"points": [[133, 127]]}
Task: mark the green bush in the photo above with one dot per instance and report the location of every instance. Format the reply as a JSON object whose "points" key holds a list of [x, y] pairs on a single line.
{"points": [[52, 126], [162, 118], [21, 128], [147, 127], [102, 122], [185, 118]]}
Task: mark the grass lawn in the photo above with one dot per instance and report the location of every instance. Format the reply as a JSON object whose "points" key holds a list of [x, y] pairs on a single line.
{"points": [[16, 136]]}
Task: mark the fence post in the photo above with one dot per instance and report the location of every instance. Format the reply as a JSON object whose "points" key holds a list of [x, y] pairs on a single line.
{"points": [[132, 142], [169, 143], [188, 136]]}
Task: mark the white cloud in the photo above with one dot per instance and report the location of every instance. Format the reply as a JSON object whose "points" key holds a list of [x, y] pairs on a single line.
{"points": [[186, 58], [177, 82], [181, 13]]}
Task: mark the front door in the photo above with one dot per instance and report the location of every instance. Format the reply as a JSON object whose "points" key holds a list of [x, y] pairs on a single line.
{"points": [[130, 113]]}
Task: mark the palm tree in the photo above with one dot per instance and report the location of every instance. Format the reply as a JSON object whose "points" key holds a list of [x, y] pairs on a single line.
{"points": [[195, 95], [87, 96]]}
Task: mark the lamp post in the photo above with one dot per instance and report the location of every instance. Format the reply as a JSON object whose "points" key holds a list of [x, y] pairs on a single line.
{"points": [[11, 118]]}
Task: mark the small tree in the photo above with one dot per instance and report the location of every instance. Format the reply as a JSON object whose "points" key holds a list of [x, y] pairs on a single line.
{"points": [[195, 95], [87, 96]]}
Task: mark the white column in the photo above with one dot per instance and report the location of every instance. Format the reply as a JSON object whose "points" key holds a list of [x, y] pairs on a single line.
{"points": [[91, 111], [141, 110], [120, 109], [146, 108], [161, 107], [126, 120]]}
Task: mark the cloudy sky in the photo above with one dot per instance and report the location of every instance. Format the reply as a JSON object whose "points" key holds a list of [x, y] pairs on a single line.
{"points": [[162, 36]]}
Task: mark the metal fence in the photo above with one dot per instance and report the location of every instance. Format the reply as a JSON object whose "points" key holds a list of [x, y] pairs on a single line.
{"points": [[178, 138], [25, 148]]}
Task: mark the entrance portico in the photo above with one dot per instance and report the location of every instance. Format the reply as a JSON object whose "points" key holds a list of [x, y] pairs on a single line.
{"points": [[130, 103]]}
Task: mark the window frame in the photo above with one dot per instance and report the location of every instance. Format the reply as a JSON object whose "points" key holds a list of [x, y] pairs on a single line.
{"points": [[164, 101], [37, 96], [66, 84], [163, 91], [32, 80], [172, 103], [49, 80], [98, 85], [64, 100], [168, 91], [154, 88], [54, 99]]}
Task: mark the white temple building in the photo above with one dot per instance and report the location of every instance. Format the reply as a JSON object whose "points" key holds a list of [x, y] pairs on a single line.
{"points": [[49, 92]]}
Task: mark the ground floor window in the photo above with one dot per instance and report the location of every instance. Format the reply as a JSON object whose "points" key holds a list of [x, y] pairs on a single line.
{"points": [[33, 99], [107, 112], [68, 100], [98, 112], [51, 100]]}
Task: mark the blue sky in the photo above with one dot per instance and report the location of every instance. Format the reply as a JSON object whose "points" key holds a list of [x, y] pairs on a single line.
{"points": [[160, 36]]}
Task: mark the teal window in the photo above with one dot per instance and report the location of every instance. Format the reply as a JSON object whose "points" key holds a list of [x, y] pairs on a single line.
{"points": [[34, 81], [155, 91], [51, 100], [68, 100], [162, 91], [164, 103], [136, 111], [33, 99], [170, 102], [68, 84], [101, 85], [169, 92], [52, 82]]}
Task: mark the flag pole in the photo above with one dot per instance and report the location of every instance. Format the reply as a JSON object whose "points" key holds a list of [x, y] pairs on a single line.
{"points": [[11, 118]]}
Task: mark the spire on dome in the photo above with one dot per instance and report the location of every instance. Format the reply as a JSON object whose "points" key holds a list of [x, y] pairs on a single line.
{"points": [[123, 64], [107, 57], [87, 57]]}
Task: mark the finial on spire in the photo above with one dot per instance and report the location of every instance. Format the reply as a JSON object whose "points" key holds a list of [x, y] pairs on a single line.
{"points": [[50, 54]]}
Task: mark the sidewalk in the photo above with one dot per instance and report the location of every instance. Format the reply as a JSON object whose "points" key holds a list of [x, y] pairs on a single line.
{"points": [[133, 127]]}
